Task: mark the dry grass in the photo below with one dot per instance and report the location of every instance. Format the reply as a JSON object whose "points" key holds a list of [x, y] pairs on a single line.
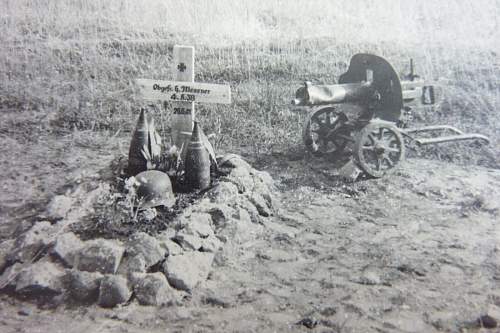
{"points": [[78, 60]]}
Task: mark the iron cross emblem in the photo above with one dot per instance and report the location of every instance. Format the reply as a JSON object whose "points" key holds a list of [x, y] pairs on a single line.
{"points": [[182, 67]]}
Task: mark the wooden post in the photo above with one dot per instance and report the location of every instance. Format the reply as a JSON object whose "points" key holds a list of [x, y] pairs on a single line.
{"points": [[183, 117], [184, 92]]}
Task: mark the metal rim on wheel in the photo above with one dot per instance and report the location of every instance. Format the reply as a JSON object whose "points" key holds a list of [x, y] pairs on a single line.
{"points": [[323, 132], [379, 148]]}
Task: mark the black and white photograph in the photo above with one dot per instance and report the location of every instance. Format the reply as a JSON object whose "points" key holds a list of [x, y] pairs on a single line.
{"points": [[259, 166]]}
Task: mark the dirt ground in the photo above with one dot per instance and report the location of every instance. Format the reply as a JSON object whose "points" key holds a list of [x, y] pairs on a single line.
{"points": [[414, 252]]}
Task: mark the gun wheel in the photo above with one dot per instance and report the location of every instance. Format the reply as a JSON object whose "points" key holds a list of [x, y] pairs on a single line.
{"points": [[324, 132], [379, 148]]}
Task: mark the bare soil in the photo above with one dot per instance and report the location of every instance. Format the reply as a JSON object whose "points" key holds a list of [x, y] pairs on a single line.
{"points": [[417, 251]]}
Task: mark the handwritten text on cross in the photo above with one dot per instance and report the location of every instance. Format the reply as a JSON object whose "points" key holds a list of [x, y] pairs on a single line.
{"points": [[184, 91]]}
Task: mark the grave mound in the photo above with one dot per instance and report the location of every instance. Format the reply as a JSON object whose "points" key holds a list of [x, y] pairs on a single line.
{"points": [[93, 246]]}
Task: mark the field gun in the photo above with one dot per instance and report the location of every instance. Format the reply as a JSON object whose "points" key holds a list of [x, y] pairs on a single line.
{"points": [[370, 108]]}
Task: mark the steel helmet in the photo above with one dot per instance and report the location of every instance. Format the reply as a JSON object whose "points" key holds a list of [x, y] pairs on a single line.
{"points": [[153, 188]]}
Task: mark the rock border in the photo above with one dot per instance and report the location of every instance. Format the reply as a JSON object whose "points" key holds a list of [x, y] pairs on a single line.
{"points": [[155, 270]]}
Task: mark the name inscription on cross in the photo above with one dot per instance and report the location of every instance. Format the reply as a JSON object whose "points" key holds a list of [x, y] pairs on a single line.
{"points": [[184, 92]]}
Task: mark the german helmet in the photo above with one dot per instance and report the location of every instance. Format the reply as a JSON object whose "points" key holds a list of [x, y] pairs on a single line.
{"points": [[153, 188]]}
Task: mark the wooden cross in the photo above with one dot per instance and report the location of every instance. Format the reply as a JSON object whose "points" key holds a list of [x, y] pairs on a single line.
{"points": [[184, 92]]}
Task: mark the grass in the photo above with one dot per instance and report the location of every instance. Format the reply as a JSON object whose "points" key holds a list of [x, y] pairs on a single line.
{"points": [[77, 60]]}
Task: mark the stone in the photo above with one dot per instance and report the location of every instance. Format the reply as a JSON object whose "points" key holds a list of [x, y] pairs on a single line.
{"points": [[24, 311], [493, 311], [223, 192], [146, 246], [260, 203], [29, 244], [244, 231], [134, 278], [251, 211], [131, 264], [197, 224], [9, 276], [244, 215], [148, 214], [169, 233], [187, 270], [99, 255], [369, 278], [113, 290], [443, 319], [487, 321], [201, 206], [5, 251], [328, 311], [24, 225], [40, 278], [59, 207], [242, 178], [83, 286], [404, 320], [221, 214], [66, 247], [153, 289], [171, 247], [308, 322], [217, 300], [233, 161], [188, 242], [265, 177], [283, 229], [210, 244], [263, 190]]}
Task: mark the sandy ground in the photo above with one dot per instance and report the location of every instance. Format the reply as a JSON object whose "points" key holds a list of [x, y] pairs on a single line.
{"points": [[414, 252]]}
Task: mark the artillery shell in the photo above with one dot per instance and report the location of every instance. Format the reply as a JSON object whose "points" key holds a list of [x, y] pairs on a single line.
{"points": [[197, 165], [136, 160]]}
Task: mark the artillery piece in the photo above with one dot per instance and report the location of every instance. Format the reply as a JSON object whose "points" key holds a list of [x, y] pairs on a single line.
{"points": [[370, 109]]}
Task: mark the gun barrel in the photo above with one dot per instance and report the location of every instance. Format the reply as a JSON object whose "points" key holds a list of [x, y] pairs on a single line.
{"points": [[340, 93]]}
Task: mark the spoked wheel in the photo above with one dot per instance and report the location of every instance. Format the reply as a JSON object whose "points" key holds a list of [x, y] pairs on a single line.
{"points": [[379, 148], [324, 132]]}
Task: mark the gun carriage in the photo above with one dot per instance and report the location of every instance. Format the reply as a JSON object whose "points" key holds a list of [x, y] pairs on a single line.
{"points": [[369, 110]]}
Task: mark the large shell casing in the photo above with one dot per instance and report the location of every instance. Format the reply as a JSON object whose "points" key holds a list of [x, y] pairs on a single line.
{"points": [[136, 160], [197, 162]]}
